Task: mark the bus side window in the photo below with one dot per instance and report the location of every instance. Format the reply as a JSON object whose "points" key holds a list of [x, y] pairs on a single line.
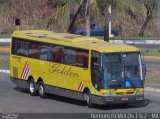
{"points": [[34, 51], [70, 56], [82, 58], [14, 46], [58, 54], [22, 48], [45, 52]]}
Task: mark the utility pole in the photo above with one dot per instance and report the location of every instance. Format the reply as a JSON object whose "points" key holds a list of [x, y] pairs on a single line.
{"points": [[107, 24], [110, 24]]}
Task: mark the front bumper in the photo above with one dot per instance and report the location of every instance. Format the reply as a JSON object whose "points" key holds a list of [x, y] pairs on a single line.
{"points": [[117, 99]]}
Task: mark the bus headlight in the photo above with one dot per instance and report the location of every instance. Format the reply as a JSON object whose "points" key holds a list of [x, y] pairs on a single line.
{"points": [[109, 94], [139, 93]]}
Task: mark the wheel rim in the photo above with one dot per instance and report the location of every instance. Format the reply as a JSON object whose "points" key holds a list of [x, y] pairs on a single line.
{"points": [[41, 90], [31, 87]]}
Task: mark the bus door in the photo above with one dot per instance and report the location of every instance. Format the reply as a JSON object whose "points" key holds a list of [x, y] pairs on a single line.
{"points": [[96, 70]]}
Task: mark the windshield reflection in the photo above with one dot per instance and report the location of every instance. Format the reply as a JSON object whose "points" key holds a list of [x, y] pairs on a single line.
{"points": [[121, 70]]}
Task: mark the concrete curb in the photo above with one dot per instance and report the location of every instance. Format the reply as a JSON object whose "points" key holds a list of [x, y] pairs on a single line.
{"points": [[4, 49], [152, 57], [5, 40], [4, 71]]}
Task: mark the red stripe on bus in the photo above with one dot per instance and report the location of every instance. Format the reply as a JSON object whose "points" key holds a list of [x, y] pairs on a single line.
{"points": [[23, 69], [79, 86], [26, 72]]}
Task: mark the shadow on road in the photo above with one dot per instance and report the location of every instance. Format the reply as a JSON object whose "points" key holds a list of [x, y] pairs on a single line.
{"points": [[82, 103], [122, 106]]}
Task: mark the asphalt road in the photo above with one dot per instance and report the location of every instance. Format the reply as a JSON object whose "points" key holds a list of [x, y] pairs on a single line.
{"points": [[152, 63]]}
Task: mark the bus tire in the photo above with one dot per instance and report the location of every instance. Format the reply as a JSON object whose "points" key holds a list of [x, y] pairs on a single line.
{"points": [[32, 88], [41, 89], [89, 99]]}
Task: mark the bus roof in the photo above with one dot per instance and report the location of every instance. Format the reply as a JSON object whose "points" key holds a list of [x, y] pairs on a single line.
{"points": [[72, 40]]}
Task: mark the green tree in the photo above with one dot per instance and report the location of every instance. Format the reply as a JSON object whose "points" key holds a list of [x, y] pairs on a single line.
{"points": [[99, 9], [4, 4], [83, 6], [151, 6]]}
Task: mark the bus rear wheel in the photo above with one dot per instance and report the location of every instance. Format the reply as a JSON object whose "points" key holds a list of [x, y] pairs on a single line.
{"points": [[41, 90], [32, 88]]}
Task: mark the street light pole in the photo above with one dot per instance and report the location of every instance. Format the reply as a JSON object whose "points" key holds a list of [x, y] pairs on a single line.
{"points": [[107, 26], [110, 25]]}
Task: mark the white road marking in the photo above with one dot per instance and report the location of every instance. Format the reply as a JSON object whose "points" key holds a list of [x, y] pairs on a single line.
{"points": [[152, 89], [5, 40]]}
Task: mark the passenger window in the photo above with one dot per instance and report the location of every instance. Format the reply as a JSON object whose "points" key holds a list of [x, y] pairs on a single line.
{"points": [[70, 56], [22, 48], [82, 58], [14, 46], [58, 54], [45, 52], [34, 51]]}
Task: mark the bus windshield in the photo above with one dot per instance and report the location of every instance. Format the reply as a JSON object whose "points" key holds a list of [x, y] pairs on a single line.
{"points": [[122, 70]]}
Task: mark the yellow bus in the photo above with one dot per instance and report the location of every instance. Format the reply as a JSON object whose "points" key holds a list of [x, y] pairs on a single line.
{"points": [[75, 66]]}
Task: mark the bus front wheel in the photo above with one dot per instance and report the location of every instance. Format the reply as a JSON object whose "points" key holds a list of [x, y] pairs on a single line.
{"points": [[32, 88], [41, 90]]}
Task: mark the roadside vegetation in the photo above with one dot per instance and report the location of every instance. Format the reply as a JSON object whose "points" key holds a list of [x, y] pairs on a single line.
{"points": [[150, 51], [132, 17], [4, 62]]}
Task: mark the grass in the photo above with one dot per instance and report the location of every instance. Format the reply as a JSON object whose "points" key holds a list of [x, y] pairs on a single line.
{"points": [[5, 35], [150, 52], [4, 62]]}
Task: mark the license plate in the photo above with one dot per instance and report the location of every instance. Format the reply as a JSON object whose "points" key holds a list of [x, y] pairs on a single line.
{"points": [[124, 99]]}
